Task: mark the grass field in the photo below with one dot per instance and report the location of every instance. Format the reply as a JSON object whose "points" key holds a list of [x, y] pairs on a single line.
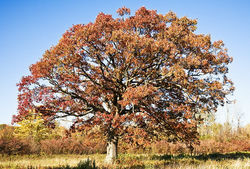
{"points": [[230, 160]]}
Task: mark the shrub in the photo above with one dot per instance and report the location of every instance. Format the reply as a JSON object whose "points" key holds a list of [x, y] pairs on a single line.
{"points": [[9, 144], [71, 146]]}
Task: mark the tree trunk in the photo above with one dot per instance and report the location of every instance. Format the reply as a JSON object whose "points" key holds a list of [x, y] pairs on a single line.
{"points": [[111, 150]]}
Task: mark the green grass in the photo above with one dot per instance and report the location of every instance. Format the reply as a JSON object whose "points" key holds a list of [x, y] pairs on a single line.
{"points": [[216, 160]]}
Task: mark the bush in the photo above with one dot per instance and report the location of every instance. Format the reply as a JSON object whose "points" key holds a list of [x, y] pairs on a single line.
{"points": [[80, 143], [9, 144], [71, 146]]}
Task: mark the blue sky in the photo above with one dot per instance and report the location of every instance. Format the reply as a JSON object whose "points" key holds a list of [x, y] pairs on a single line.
{"points": [[28, 28]]}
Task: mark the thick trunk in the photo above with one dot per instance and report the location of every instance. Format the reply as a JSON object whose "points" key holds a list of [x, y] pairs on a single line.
{"points": [[111, 150]]}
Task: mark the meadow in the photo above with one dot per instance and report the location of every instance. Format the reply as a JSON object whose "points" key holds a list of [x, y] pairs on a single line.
{"points": [[216, 160]]}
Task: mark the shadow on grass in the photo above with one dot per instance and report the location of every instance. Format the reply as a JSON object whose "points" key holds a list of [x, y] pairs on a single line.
{"points": [[68, 167], [87, 164], [84, 166], [214, 156]]}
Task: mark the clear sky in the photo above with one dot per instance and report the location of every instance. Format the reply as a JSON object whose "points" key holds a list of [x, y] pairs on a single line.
{"points": [[29, 27]]}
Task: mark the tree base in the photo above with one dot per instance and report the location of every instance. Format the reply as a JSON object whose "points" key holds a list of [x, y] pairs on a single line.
{"points": [[111, 151]]}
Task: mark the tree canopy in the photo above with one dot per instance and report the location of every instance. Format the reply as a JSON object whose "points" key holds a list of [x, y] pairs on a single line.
{"points": [[147, 71]]}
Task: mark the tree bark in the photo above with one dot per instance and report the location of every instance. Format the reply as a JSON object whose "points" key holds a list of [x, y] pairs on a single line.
{"points": [[111, 150]]}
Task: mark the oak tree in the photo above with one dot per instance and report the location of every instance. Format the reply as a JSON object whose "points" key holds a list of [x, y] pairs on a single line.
{"points": [[147, 71]]}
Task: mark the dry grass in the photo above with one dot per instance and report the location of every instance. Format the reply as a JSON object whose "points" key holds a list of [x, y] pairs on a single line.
{"points": [[45, 161], [212, 161]]}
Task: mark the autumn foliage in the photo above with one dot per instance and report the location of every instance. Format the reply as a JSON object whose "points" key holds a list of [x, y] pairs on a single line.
{"points": [[88, 143], [147, 71]]}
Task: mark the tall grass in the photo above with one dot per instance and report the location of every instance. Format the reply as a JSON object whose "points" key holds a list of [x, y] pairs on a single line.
{"points": [[216, 160]]}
